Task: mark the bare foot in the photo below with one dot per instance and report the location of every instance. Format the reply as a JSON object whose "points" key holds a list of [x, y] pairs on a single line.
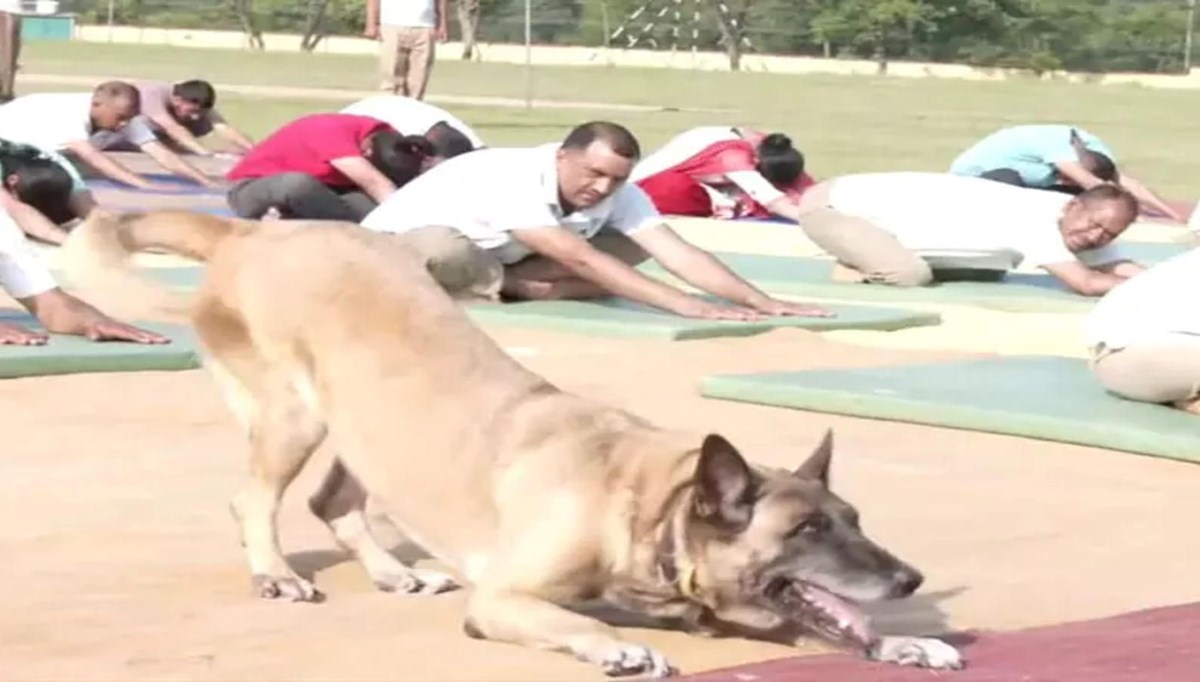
{"points": [[845, 273], [1192, 406]]}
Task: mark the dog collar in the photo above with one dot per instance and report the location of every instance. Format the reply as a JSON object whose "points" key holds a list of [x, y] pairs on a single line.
{"points": [[675, 570]]}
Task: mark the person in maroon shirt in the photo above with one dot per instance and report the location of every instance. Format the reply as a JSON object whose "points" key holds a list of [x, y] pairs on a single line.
{"points": [[326, 167]]}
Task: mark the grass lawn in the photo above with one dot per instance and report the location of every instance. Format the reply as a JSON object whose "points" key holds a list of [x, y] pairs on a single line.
{"points": [[843, 124]]}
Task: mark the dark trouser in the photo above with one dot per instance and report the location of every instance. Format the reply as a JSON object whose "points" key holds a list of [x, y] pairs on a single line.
{"points": [[10, 50], [1010, 177], [298, 196]]}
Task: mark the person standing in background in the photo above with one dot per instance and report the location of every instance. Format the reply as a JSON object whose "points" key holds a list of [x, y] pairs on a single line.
{"points": [[10, 50], [408, 30]]}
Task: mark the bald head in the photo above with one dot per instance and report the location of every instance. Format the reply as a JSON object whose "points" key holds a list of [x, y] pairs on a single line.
{"points": [[1097, 216], [114, 103], [1111, 195]]}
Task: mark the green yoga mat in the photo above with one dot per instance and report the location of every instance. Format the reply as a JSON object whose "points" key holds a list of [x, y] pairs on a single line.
{"points": [[810, 277], [617, 317], [73, 354], [1043, 397]]}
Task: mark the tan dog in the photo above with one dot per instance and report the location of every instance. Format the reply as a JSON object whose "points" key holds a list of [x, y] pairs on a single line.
{"points": [[540, 499]]}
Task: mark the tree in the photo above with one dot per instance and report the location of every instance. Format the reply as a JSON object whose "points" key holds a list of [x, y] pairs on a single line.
{"points": [[312, 25], [731, 20], [245, 15]]}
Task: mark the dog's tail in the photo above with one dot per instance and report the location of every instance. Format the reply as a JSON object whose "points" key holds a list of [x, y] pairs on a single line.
{"points": [[99, 253], [111, 237]]}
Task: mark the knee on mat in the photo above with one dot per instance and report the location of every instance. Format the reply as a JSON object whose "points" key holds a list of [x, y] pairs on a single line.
{"points": [[917, 274]]}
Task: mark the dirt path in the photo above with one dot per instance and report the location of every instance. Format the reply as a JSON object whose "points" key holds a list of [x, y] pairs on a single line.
{"points": [[121, 561]]}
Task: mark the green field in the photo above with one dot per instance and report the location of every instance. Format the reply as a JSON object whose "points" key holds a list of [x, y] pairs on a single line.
{"points": [[843, 123]]}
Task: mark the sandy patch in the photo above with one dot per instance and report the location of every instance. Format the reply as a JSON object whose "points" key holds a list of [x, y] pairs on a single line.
{"points": [[122, 561]]}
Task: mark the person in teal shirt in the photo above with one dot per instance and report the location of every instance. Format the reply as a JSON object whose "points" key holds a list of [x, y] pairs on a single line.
{"points": [[1053, 157]]}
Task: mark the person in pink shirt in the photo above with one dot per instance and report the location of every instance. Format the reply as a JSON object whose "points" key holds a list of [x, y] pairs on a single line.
{"points": [[725, 172], [326, 167]]}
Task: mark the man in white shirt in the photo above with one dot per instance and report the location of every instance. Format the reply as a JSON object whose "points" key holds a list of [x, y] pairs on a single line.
{"points": [[448, 133], [408, 30], [24, 277], [1144, 335], [67, 122], [878, 225], [562, 222]]}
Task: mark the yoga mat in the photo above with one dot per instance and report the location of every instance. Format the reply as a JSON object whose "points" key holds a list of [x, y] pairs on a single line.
{"points": [[619, 317], [810, 277], [1154, 645], [74, 354], [1038, 396], [178, 185], [222, 211]]}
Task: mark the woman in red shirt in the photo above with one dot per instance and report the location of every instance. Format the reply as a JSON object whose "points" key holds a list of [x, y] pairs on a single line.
{"points": [[326, 167], [725, 172]]}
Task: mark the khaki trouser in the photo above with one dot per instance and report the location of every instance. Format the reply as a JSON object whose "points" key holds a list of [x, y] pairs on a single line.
{"points": [[406, 59], [874, 253], [10, 51], [1164, 371], [467, 272]]}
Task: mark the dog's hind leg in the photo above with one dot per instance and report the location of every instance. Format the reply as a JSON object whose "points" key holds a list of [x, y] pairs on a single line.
{"points": [[341, 503]]}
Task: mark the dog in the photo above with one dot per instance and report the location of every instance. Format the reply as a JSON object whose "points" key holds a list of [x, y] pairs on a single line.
{"points": [[539, 499]]}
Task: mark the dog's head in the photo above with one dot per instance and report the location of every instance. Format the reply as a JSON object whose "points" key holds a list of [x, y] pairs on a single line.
{"points": [[773, 548]]}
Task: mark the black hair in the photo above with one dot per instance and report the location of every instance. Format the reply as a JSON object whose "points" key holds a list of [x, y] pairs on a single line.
{"points": [[198, 92], [1107, 192], [41, 182], [617, 137], [778, 161], [447, 140], [399, 157], [1100, 165]]}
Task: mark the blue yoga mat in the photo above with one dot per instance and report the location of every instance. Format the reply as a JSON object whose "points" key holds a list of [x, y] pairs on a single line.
{"points": [[221, 211], [178, 185]]}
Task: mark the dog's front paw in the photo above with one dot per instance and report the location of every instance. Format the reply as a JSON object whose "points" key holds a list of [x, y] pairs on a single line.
{"points": [[416, 581], [921, 652], [621, 659], [289, 587]]}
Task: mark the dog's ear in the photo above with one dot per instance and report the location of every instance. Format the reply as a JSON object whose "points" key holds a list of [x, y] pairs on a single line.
{"points": [[816, 467], [724, 494]]}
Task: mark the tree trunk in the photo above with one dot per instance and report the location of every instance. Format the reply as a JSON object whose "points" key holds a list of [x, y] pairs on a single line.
{"points": [[881, 63], [468, 24], [245, 15], [312, 27], [732, 32]]}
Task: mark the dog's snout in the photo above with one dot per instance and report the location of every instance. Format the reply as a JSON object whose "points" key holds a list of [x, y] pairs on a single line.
{"points": [[905, 581]]}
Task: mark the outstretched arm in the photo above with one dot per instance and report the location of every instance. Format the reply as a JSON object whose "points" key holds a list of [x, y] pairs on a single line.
{"points": [[109, 168], [174, 163], [705, 272], [62, 313]]}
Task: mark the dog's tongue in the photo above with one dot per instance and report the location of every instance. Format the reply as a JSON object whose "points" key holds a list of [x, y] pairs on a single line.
{"points": [[848, 616]]}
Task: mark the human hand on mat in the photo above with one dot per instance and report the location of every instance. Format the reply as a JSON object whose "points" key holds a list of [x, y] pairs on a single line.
{"points": [[706, 310], [779, 308], [13, 335], [111, 330]]}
